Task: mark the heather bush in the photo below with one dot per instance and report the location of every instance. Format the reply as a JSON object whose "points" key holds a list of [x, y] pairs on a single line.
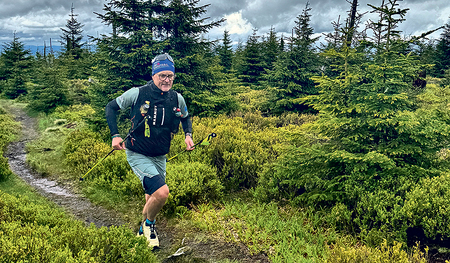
{"points": [[115, 175], [382, 254], [192, 183], [75, 113], [379, 216], [242, 146], [82, 149], [427, 206], [37, 233]]}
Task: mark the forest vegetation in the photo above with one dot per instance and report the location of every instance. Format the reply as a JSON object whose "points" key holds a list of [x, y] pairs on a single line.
{"points": [[334, 151]]}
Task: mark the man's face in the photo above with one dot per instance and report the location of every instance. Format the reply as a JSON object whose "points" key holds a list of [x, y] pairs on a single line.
{"points": [[163, 80]]}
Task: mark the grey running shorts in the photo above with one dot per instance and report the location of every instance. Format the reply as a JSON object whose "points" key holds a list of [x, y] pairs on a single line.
{"points": [[151, 171]]}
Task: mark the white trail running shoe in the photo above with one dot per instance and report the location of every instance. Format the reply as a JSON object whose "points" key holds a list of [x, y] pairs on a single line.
{"points": [[149, 231]]}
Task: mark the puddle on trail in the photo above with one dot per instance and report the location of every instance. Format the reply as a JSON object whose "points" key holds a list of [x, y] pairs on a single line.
{"points": [[16, 164], [17, 157], [77, 205]]}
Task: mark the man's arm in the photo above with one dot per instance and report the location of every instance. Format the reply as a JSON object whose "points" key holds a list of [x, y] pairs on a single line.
{"points": [[187, 128], [186, 123], [111, 118], [122, 102]]}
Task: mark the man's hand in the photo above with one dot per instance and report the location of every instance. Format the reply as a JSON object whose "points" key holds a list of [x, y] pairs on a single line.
{"points": [[189, 143], [117, 144]]}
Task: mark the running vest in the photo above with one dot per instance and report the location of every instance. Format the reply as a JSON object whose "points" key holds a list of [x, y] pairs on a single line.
{"points": [[153, 136]]}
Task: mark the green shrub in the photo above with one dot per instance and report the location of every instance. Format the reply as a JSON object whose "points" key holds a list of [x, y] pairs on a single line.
{"points": [[243, 146], [115, 175], [8, 129], [83, 149], [379, 217], [340, 217], [75, 113], [78, 91], [84, 152], [37, 233], [427, 206], [382, 254], [251, 99], [192, 183], [239, 150]]}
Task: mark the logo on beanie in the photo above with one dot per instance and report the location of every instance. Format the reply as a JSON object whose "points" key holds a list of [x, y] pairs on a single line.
{"points": [[162, 65]]}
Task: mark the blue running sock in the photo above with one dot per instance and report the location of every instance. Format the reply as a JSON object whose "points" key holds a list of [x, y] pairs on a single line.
{"points": [[141, 231], [148, 222]]}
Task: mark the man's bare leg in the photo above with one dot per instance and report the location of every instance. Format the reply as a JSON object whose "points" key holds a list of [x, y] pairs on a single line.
{"points": [[155, 202], [153, 205]]}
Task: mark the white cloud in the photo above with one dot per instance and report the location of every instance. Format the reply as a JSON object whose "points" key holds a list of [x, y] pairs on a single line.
{"points": [[24, 24], [235, 24]]}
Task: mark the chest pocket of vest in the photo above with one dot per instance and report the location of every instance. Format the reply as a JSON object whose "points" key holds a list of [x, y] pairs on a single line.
{"points": [[161, 116]]}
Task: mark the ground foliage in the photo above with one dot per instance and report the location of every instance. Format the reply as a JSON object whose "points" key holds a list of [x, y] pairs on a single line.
{"points": [[370, 160], [376, 145], [8, 132], [38, 233], [238, 220]]}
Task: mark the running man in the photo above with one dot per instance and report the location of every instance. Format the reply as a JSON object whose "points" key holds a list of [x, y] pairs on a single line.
{"points": [[156, 112]]}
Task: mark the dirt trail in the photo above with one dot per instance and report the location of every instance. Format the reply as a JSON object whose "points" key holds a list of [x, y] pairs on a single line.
{"points": [[62, 195], [190, 248]]}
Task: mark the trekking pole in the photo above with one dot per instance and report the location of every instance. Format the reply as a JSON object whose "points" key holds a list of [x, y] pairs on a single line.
{"points": [[128, 135], [208, 138]]}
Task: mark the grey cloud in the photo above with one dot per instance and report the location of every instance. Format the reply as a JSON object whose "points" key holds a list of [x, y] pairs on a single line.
{"points": [[11, 8], [262, 14], [42, 20], [218, 9]]}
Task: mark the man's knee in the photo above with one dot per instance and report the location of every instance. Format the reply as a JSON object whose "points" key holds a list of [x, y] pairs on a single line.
{"points": [[162, 193], [153, 184]]}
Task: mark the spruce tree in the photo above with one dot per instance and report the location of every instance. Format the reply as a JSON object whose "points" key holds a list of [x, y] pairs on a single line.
{"points": [[72, 36], [124, 57], [388, 36], [290, 79], [50, 89], [238, 58], [75, 54], [185, 22], [17, 63], [335, 39], [253, 65], [225, 52], [344, 36], [270, 49], [143, 29], [443, 52]]}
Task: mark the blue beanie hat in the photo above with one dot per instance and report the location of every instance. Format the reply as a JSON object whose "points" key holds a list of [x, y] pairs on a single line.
{"points": [[162, 62]]}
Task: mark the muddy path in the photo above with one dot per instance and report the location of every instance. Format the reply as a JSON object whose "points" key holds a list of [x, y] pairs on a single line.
{"points": [[63, 195], [176, 246]]}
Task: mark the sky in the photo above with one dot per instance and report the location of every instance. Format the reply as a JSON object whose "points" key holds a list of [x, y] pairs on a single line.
{"points": [[39, 21]]}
